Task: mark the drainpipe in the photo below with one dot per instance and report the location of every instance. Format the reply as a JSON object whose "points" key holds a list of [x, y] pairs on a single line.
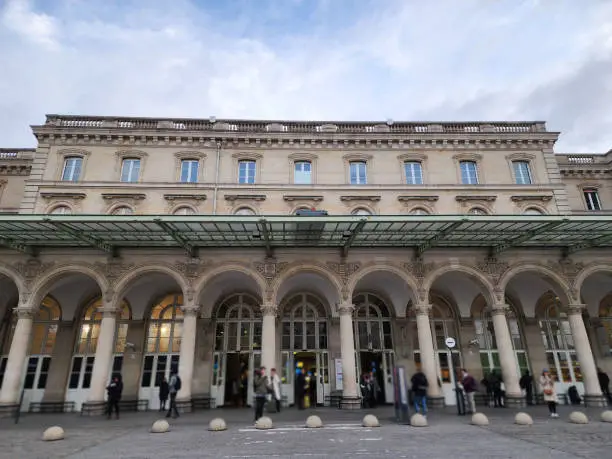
{"points": [[216, 187]]}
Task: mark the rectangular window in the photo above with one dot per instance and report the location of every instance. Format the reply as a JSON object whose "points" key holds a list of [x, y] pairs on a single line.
{"points": [[469, 172], [358, 173], [72, 169], [414, 173], [522, 174], [302, 173], [592, 199], [189, 170], [130, 170], [246, 172]]}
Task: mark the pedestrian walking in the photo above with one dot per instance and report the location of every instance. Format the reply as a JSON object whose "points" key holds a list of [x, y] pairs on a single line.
{"points": [[469, 387], [547, 384], [114, 390], [261, 388], [419, 389], [164, 391], [173, 387]]}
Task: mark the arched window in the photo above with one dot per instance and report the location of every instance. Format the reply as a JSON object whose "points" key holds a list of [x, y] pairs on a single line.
{"points": [[477, 211], [238, 324], [304, 324], [361, 211], [372, 323], [418, 211], [532, 211], [166, 326], [605, 331], [558, 340], [183, 210], [245, 211], [485, 334], [123, 210], [61, 210]]}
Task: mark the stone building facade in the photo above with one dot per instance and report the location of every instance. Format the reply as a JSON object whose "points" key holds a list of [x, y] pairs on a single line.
{"points": [[74, 316]]}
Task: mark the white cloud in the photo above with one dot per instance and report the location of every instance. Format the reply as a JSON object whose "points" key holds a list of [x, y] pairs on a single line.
{"points": [[442, 59]]}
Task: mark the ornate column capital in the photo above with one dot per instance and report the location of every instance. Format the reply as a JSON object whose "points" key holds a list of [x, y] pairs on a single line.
{"points": [[346, 309], [24, 312], [268, 309], [576, 309], [422, 309], [190, 310], [109, 311], [500, 309]]}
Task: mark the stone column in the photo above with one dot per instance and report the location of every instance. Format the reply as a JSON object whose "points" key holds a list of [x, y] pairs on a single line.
{"points": [[507, 357], [268, 336], [427, 353], [103, 359], [593, 395], [350, 399], [13, 375], [187, 355]]}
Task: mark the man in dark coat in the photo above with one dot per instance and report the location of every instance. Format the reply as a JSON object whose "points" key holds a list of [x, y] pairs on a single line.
{"points": [[526, 383], [164, 391], [114, 390], [419, 389]]}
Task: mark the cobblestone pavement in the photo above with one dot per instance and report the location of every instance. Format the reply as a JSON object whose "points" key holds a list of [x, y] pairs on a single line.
{"points": [[447, 436]]}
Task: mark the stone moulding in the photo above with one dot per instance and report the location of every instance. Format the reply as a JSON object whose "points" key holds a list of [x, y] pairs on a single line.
{"points": [[531, 197], [60, 195], [409, 198], [245, 197], [370, 198], [133, 196], [466, 198], [180, 197], [295, 197]]}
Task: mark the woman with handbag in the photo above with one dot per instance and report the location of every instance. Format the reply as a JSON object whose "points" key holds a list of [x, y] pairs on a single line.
{"points": [[547, 382]]}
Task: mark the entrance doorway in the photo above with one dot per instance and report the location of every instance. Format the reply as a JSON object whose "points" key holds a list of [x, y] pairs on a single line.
{"points": [[237, 379], [306, 380], [372, 363]]}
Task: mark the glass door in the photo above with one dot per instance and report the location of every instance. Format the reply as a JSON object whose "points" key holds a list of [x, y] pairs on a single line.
{"points": [[388, 365], [287, 376], [37, 371], [79, 380], [155, 368], [254, 363], [323, 386], [217, 388]]}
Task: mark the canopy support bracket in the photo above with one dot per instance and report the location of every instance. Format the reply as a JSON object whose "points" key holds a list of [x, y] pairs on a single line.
{"points": [[430, 243], [266, 238], [191, 250], [593, 243], [353, 236], [82, 236], [525, 237]]}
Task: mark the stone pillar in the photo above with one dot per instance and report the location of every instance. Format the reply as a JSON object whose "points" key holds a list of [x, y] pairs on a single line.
{"points": [[427, 353], [507, 357], [268, 337], [187, 355], [13, 375], [593, 395], [350, 399], [61, 359], [103, 360]]}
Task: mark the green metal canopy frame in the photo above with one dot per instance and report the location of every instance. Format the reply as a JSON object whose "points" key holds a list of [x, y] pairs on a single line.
{"points": [[30, 233]]}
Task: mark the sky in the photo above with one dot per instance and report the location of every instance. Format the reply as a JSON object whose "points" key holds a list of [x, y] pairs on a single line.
{"points": [[406, 60]]}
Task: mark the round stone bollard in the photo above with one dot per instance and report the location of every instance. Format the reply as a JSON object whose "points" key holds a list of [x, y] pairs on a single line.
{"points": [[217, 425], [480, 419], [418, 420], [53, 433], [370, 420], [578, 417], [314, 422], [523, 419], [263, 423], [160, 426], [606, 416]]}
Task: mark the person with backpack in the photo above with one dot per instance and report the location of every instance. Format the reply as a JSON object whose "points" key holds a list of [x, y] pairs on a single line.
{"points": [[419, 389], [174, 386]]}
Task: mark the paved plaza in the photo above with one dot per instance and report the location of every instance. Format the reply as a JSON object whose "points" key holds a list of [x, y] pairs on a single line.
{"points": [[342, 436]]}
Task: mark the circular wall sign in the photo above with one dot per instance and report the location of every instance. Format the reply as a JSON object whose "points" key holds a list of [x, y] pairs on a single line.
{"points": [[450, 342]]}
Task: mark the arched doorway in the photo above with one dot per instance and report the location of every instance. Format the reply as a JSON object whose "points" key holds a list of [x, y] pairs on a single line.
{"points": [[42, 342], [304, 331], [374, 342], [162, 346], [443, 325], [237, 349], [83, 358], [487, 343], [558, 341]]}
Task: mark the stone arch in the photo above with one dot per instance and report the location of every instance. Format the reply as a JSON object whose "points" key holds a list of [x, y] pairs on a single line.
{"points": [[300, 267], [586, 272], [40, 288], [284, 307], [545, 271], [202, 283], [364, 271], [13, 275], [477, 276], [123, 283]]}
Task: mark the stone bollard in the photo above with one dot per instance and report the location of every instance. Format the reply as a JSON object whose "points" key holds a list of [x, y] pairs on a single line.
{"points": [[217, 425], [263, 423], [606, 416], [480, 419], [418, 420], [578, 417], [370, 420], [314, 422], [523, 419], [160, 426], [53, 433]]}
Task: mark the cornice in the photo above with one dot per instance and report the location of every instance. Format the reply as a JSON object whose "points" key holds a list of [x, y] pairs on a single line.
{"points": [[134, 196], [299, 197], [245, 197], [531, 197], [408, 198], [181, 197], [63, 195], [475, 197], [356, 197]]}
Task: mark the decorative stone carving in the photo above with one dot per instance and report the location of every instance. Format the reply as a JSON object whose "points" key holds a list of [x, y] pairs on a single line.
{"points": [[499, 295], [191, 269], [410, 199], [531, 198], [270, 268], [493, 268], [422, 309], [269, 309], [575, 309], [190, 309], [368, 198], [113, 269], [32, 269], [245, 197], [63, 196], [24, 313], [344, 271], [297, 197], [466, 198], [419, 269], [568, 269], [346, 309]]}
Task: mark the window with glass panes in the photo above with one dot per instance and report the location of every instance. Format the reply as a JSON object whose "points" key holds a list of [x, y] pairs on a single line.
{"points": [[189, 170], [558, 341], [165, 328], [72, 169], [372, 323], [302, 174], [522, 173], [246, 171], [358, 172], [304, 324], [469, 172], [130, 170], [238, 324], [604, 333], [591, 198], [414, 173]]}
